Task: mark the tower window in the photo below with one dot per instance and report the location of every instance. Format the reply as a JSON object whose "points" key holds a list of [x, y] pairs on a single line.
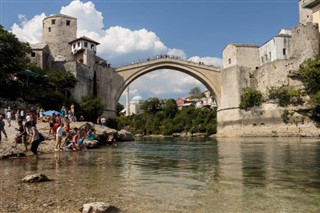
{"points": [[284, 51], [53, 21], [49, 29], [270, 56], [229, 60], [68, 22]]}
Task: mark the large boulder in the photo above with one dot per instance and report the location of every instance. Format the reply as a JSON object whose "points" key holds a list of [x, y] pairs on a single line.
{"points": [[35, 178], [91, 143], [98, 207], [124, 135]]}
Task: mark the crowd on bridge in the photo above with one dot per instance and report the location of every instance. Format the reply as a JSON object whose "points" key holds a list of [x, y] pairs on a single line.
{"points": [[157, 57]]}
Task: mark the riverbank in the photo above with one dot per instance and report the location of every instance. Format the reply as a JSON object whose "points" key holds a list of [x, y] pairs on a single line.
{"points": [[47, 146]]}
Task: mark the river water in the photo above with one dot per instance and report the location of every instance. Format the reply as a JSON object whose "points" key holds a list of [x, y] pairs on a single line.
{"points": [[223, 175]]}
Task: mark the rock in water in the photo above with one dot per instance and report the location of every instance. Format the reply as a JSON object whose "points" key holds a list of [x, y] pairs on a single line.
{"points": [[98, 207], [35, 178]]}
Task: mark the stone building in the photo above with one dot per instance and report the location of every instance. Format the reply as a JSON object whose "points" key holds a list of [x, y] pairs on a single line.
{"points": [[246, 55], [309, 11], [277, 48]]}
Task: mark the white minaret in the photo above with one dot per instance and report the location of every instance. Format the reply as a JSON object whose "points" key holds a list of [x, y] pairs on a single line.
{"points": [[127, 102]]}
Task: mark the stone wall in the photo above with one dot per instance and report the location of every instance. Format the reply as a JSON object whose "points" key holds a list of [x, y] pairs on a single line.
{"points": [[266, 120], [107, 80]]}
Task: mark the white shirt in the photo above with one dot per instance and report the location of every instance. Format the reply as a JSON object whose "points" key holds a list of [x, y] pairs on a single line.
{"points": [[9, 114]]}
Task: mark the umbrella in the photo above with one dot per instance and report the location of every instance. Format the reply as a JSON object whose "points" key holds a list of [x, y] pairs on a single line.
{"points": [[28, 73], [50, 112]]}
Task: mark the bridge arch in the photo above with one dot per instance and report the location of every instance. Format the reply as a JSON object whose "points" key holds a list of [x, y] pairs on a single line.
{"points": [[207, 75]]}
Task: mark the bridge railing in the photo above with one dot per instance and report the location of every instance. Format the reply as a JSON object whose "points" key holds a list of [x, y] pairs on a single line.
{"points": [[161, 57]]}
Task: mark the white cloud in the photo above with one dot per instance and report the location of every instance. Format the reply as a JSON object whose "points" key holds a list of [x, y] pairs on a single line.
{"points": [[120, 45], [217, 62], [177, 52], [29, 30]]}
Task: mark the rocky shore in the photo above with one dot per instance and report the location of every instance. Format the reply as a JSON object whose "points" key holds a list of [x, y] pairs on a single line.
{"points": [[47, 146]]}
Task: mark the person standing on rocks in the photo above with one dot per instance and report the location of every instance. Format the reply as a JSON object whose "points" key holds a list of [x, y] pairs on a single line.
{"points": [[2, 124], [34, 138], [9, 116], [59, 137]]}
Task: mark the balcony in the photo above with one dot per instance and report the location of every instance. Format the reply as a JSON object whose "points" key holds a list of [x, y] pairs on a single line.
{"points": [[310, 3]]}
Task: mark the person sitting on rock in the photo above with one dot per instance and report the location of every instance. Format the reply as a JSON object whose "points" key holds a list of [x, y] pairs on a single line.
{"points": [[68, 142]]}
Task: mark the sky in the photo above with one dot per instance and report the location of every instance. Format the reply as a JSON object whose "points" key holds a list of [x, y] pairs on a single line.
{"points": [[131, 30]]}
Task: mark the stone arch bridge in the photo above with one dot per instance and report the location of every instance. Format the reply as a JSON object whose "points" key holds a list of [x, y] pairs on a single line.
{"points": [[207, 75]]}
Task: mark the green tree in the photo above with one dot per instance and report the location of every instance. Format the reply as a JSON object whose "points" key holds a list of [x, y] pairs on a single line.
{"points": [[13, 53], [120, 107], [13, 58], [91, 108], [196, 92], [309, 72], [284, 95], [250, 97], [152, 105], [170, 108]]}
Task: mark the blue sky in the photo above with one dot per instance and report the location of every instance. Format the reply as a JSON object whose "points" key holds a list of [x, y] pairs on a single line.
{"points": [[132, 30]]}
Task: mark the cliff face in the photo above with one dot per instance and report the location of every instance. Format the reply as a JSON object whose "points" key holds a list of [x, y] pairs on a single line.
{"points": [[268, 120]]}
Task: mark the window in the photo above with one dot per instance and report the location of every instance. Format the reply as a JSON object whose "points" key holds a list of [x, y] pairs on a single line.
{"points": [[33, 54], [92, 46], [266, 57], [270, 56], [53, 21], [78, 44], [284, 51], [74, 45], [85, 44], [68, 22], [49, 29], [262, 59], [229, 60]]}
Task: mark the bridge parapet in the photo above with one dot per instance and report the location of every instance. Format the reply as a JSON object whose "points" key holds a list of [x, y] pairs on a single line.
{"points": [[167, 59]]}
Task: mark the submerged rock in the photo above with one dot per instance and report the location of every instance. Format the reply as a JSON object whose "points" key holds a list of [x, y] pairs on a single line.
{"points": [[35, 178], [91, 143], [124, 135], [98, 207]]}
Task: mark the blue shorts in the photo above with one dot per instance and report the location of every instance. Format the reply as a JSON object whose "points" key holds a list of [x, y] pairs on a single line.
{"points": [[80, 141]]}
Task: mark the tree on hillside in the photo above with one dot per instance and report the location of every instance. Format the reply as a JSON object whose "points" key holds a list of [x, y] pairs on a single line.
{"points": [[13, 58], [250, 97], [196, 92], [13, 53], [309, 71]]}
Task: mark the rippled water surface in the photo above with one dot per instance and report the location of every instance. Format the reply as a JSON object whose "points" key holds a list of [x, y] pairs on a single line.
{"points": [[224, 175]]}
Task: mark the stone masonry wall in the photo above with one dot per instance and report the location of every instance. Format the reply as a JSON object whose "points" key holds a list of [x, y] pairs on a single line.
{"points": [[266, 120]]}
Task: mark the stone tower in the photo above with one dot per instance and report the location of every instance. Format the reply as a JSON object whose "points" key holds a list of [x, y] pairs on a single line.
{"points": [[305, 14], [57, 31]]}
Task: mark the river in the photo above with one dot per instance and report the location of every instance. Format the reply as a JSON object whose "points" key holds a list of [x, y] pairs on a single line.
{"points": [[172, 175]]}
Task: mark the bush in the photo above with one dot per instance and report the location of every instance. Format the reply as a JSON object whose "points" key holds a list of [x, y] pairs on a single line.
{"points": [[250, 98], [284, 95], [309, 71]]}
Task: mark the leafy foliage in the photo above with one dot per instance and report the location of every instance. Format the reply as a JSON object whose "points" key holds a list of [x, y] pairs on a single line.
{"points": [[152, 105], [196, 92], [250, 98], [284, 95], [309, 71], [169, 120], [91, 108]]}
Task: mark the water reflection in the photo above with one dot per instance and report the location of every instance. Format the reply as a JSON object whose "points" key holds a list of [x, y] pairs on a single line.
{"points": [[224, 175]]}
